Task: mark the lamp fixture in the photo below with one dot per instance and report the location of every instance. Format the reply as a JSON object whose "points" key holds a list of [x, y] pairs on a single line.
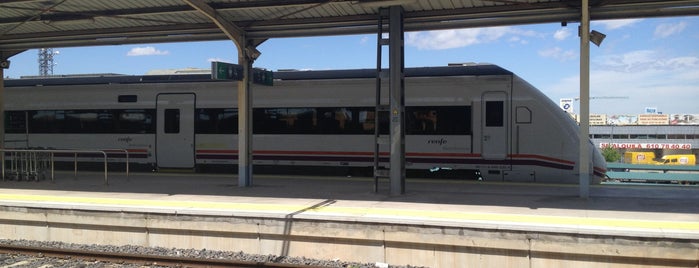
{"points": [[597, 37]]}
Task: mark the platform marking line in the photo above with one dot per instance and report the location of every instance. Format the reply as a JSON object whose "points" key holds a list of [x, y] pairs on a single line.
{"points": [[546, 220]]}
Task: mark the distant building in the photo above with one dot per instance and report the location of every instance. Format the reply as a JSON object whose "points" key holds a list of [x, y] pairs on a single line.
{"points": [[179, 71], [661, 139]]}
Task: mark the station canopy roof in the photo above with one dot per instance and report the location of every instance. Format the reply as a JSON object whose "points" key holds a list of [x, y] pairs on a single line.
{"points": [[26, 24]]}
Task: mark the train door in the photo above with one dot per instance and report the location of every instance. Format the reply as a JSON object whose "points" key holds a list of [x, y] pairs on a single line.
{"points": [[494, 138], [175, 130]]}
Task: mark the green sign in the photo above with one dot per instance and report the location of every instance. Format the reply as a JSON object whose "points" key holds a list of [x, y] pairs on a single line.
{"points": [[262, 77], [228, 71]]}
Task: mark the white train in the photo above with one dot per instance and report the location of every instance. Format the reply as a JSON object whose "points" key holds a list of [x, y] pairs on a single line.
{"points": [[477, 117]]}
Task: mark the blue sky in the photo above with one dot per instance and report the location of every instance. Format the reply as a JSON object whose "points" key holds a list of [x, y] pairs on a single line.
{"points": [[653, 62]]}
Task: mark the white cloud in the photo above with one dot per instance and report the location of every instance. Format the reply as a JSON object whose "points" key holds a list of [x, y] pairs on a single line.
{"points": [[561, 34], [616, 24], [558, 53], [667, 29], [364, 40], [648, 78], [446, 39], [218, 59], [146, 51], [644, 60], [518, 40]]}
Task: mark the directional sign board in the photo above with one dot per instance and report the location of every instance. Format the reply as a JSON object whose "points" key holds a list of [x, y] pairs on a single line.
{"points": [[226, 71], [229, 71], [262, 77]]}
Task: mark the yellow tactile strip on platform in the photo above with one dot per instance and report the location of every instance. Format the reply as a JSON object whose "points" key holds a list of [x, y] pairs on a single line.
{"points": [[331, 209]]}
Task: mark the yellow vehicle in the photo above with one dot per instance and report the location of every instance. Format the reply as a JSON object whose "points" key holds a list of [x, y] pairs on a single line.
{"points": [[642, 158], [678, 159]]}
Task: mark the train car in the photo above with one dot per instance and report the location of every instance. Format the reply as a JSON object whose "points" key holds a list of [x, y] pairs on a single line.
{"points": [[477, 117]]}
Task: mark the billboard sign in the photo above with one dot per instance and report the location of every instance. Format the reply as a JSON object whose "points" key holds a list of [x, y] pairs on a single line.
{"points": [[617, 145], [653, 119], [684, 119], [598, 119], [620, 120]]}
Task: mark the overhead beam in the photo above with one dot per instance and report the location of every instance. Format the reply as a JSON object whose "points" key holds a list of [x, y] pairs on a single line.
{"points": [[545, 12], [630, 7], [147, 11], [234, 33]]}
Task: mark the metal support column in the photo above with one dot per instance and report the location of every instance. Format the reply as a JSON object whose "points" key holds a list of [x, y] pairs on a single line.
{"points": [[246, 56], [397, 100], [245, 125], [396, 107], [584, 164], [2, 110], [379, 172]]}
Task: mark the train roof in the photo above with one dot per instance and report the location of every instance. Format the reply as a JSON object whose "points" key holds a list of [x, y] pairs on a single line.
{"points": [[465, 70]]}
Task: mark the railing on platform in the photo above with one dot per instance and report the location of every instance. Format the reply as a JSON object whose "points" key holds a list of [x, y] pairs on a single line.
{"points": [[653, 173], [31, 163]]}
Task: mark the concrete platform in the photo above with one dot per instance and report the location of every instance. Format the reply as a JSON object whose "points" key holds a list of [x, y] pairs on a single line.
{"points": [[462, 221]]}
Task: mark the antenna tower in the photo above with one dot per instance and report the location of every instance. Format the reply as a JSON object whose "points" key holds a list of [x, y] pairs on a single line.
{"points": [[46, 61]]}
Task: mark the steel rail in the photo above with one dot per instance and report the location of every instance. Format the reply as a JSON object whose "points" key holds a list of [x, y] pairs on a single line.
{"points": [[140, 259]]}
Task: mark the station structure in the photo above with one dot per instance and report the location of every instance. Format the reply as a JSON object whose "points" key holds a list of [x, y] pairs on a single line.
{"points": [[662, 139], [29, 24]]}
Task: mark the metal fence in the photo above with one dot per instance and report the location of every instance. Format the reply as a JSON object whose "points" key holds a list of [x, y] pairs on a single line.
{"points": [[670, 174], [35, 164]]}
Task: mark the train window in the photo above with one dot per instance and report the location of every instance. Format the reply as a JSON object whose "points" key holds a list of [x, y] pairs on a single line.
{"points": [[134, 121], [524, 115], [87, 121], [128, 98], [638, 136], [657, 136], [217, 121], [421, 120], [227, 121], [284, 121], [367, 121], [335, 121], [432, 120], [172, 121], [494, 113], [438, 120], [44, 122], [90, 121], [15, 122]]}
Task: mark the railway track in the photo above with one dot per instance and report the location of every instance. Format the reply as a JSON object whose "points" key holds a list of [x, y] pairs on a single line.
{"points": [[82, 257]]}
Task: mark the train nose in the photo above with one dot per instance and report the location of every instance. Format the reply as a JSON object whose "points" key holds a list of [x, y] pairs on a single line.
{"points": [[599, 166]]}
